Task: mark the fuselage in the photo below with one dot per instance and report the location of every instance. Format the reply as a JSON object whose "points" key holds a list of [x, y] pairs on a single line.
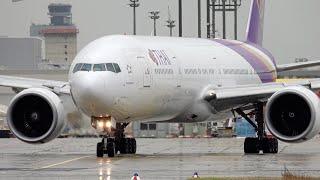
{"points": [[162, 78]]}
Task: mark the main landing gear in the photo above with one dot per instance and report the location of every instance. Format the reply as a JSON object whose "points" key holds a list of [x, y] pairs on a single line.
{"points": [[118, 143], [262, 142]]}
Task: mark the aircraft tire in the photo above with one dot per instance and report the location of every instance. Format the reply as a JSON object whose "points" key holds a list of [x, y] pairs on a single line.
{"points": [[99, 149], [270, 145], [251, 146], [134, 146], [111, 149]]}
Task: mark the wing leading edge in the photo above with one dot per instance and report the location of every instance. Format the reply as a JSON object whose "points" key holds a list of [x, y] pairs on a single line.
{"points": [[20, 83], [229, 97]]}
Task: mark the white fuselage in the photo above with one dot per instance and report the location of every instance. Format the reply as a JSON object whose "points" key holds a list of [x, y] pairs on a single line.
{"points": [[163, 78]]}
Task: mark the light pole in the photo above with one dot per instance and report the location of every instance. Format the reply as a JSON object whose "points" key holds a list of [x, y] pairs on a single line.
{"points": [[134, 4], [170, 22], [199, 18], [180, 17], [154, 16], [171, 25]]}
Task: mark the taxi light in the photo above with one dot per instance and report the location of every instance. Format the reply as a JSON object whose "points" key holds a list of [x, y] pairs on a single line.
{"points": [[100, 124], [108, 124]]}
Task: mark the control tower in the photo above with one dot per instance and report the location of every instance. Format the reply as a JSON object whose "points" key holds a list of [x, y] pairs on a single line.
{"points": [[60, 37], [60, 14]]}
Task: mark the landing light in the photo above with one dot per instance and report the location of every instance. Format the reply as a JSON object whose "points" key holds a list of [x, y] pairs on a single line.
{"points": [[108, 124], [100, 124]]}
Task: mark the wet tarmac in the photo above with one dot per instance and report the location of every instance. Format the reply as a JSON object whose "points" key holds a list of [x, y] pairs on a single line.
{"points": [[156, 159]]}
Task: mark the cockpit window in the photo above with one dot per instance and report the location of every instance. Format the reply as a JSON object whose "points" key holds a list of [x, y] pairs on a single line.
{"points": [[116, 67], [77, 68], [86, 67], [99, 67], [113, 67], [110, 67]]}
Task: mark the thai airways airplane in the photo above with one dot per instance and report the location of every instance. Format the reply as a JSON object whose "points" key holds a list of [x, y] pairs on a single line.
{"points": [[119, 79]]}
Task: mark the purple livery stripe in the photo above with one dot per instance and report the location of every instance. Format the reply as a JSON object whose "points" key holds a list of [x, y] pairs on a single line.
{"points": [[265, 70], [255, 25], [264, 51]]}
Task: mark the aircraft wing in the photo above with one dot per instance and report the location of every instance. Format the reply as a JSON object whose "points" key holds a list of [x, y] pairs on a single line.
{"points": [[228, 97], [19, 83], [293, 66]]}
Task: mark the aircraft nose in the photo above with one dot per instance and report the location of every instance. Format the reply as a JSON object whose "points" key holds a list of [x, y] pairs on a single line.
{"points": [[88, 90], [87, 84]]}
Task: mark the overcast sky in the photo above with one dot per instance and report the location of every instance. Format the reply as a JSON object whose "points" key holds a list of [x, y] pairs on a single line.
{"points": [[292, 27]]}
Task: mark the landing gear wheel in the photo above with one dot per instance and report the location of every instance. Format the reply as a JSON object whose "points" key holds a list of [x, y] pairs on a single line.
{"points": [[116, 142], [262, 142], [111, 151], [270, 145], [100, 149], [134, 146], [124, 146], [128, 146], [251, 146]]}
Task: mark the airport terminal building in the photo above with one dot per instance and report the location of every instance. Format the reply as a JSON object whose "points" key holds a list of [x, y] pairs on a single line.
{"points": [[20, 52]]}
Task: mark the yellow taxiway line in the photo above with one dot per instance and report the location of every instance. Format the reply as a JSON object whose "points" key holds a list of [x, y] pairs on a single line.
{"points": [[60, 163]]}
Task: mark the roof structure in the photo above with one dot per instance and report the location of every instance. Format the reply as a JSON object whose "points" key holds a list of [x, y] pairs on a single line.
{"points": [[60, 30]]}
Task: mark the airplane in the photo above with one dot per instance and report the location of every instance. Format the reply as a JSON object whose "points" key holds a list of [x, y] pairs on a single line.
{"points": [[120, 79]]}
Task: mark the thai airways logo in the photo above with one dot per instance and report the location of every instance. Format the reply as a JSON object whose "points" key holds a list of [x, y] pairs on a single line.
{"points": [[159, 57]]}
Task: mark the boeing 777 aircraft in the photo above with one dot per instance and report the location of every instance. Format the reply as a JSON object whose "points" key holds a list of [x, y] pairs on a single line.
{"points": [[119, 79]]}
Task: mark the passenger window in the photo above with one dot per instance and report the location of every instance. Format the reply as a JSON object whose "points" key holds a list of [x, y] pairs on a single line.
{"points": [[110, 67], [99, 67], [77, 67], [143, 126], [86, 67], [117, 68], [152, 126]]}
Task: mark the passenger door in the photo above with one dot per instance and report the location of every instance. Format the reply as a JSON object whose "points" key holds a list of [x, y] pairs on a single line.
{"points": [[177, 71], [146, 71]]}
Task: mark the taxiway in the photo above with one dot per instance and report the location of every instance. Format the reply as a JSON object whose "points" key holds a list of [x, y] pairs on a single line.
{"points": [[156, 159]]}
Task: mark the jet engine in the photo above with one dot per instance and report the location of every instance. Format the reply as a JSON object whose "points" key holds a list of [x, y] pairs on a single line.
{"points": [[293, 114], [36, 115]]}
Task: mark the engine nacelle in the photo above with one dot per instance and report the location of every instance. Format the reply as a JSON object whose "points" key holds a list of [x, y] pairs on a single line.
{"points": [[36, 115], [293, 114]]}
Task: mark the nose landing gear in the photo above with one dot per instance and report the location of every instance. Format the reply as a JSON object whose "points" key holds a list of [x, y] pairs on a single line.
{"points": [[115, 142], [107, 147]]}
